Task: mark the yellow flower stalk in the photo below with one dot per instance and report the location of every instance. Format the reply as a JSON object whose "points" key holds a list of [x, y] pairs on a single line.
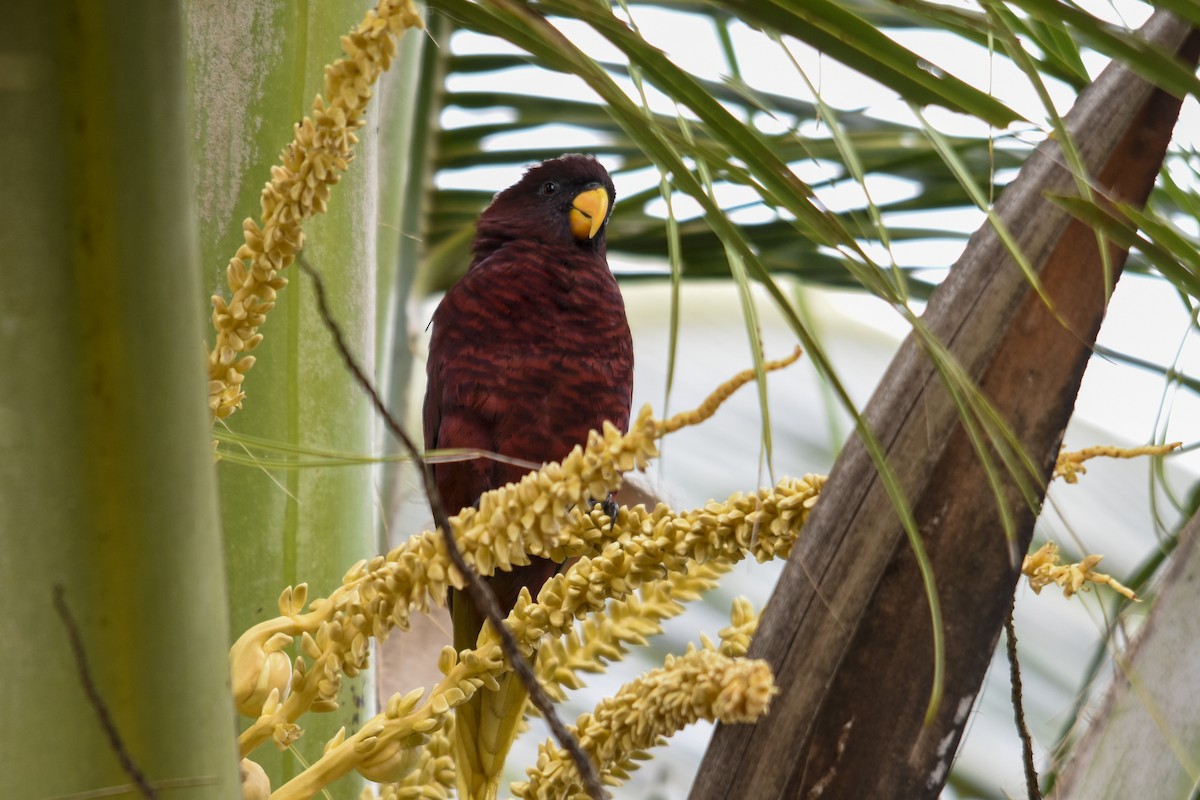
{"points": [[1042, 569], [1069, 465], [723, 392], [703, 684], [384, 748], [299, 188], [630, 621]]}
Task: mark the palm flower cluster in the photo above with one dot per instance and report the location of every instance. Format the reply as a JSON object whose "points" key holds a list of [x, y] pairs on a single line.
{"points": [[638, 544], [522, 519], [629, 622], [656, 549], [1042, 567], [702, 684], [299, 188]]}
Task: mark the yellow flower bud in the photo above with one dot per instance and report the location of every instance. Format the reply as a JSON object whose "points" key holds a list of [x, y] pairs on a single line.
{"points": [[255, 674], [255, 784], [389, 762]]}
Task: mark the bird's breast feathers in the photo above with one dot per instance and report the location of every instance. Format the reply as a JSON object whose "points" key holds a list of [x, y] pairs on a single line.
{"points": [[522, 295]]}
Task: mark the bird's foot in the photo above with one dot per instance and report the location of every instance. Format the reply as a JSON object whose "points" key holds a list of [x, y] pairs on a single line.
{"points": [[609, 506]]}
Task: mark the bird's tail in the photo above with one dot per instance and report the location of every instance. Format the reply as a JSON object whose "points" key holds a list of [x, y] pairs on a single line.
{"points": [[487, 724]]}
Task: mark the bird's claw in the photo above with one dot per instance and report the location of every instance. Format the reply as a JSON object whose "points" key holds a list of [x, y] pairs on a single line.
{"points": [[609, 506]]}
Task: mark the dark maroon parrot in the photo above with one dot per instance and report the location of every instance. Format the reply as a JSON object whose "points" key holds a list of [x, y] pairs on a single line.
{"points": [[530, 349]]}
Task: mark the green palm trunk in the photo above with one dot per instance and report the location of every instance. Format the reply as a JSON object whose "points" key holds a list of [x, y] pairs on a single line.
{"points": [[108, 491]]}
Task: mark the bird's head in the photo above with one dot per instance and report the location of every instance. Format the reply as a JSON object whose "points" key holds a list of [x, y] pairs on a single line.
{"points": [[562, 201]]}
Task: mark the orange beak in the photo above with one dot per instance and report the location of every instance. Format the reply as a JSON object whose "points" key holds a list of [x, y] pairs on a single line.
{"points": [[588, 212]]}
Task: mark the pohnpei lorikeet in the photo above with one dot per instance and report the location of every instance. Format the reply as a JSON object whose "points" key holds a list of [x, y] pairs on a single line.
{"points": [[530, 350]]}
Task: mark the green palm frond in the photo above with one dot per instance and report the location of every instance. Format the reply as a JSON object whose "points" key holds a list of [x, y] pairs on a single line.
{"points": [[732, 151]]}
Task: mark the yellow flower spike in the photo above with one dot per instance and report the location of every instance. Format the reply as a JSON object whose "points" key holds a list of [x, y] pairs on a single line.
{"points": [[271, 724], [1069, 465], [299, 188], [723, 392], [1042, 569], [374, 739], [305, 695], [385, 749], [700, 685]]}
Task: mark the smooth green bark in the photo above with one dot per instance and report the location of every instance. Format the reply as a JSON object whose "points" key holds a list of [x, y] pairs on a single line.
{"points": [[107, 490]]}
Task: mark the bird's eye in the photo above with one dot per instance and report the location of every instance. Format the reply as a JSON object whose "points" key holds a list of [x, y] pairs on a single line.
{"points": [[549, 188]]}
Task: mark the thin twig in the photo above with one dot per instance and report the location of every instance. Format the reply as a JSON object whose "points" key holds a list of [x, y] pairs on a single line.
{"points": [[1014, 671], [481, 594], [97, 702]]}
